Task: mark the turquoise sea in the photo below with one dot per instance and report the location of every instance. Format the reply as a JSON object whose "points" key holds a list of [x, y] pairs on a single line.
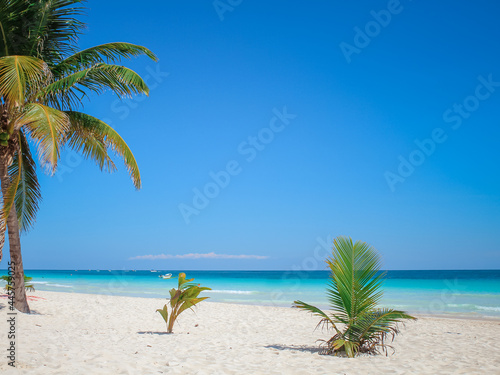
{"points": [[474, 293]]}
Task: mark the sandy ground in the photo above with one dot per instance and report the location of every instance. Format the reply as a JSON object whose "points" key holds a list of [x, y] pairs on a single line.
{"points": [[90, 334]]}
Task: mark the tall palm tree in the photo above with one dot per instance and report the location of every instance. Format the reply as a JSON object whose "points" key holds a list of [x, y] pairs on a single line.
{"points": [[43, 78], [354, 291]]}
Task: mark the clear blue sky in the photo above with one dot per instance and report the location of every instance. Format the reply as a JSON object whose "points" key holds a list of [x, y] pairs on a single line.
{"points": [[428, 71]]}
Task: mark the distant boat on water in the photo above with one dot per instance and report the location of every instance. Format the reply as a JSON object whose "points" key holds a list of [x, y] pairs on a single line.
{"points": [[166, 276], [153, 270]]}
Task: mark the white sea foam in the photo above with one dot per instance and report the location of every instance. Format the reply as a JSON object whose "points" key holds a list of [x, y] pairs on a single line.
{"points": [[489, 308], [230, 291], [478, 307], [399, 306], [48, 283], [60, 285]]}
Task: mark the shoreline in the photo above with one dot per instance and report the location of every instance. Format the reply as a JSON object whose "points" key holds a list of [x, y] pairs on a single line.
{"points": [[89, 333], [466, 294], [457, 316]]}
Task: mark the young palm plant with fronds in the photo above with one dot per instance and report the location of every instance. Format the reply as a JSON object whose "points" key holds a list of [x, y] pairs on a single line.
{"points": [[354, 291], [186, 296], [27, 283], [43, 78]]}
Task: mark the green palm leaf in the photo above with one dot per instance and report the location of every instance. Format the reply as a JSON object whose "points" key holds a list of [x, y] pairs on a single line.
{"points": [[19, 20], [325, 319], [11, 22], [19, 75], [94, 137], [47, 127], [164, 313], [189, 304], [104, 53], [28, 189], [68, 91], [10, 196], [355, 284], [52, 29], [123, 81]]}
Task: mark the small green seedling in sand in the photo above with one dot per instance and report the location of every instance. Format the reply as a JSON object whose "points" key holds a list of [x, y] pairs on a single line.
{"points": [[27, 285], [182, 298]]}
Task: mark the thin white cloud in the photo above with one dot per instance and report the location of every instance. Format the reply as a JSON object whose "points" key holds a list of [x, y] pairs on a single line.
{"points": [[211, 255]]}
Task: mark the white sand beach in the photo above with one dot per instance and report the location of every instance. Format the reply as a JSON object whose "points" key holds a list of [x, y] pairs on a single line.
{"points": [[70, 333]]}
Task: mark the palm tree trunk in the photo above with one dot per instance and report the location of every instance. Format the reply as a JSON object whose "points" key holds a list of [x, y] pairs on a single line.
{"points": [[16, 260]]}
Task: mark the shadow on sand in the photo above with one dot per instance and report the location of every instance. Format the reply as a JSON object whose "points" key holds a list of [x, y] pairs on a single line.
{"points": [[32, 312], [298, 348], [152, 333]]}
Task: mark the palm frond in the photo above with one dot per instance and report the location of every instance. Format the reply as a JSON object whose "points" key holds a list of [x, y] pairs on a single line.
{"points": [[325, 319], [12, 24], [94, 137], [28, 193], [67, 92], [55, 29], [380, 320], [374, 328], [20, 75], [10, 196], [104, 53], [355, 282], [44, 29], [47, 127]]}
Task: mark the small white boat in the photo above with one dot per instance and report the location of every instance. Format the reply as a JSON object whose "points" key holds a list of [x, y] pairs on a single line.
{"points": [[166, 276]]}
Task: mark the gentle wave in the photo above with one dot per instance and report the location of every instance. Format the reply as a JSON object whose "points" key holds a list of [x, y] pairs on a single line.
{"points": [[231, 291], [60, 285], [48, 283], [472, 306], [488, 308], [397, 306]]}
